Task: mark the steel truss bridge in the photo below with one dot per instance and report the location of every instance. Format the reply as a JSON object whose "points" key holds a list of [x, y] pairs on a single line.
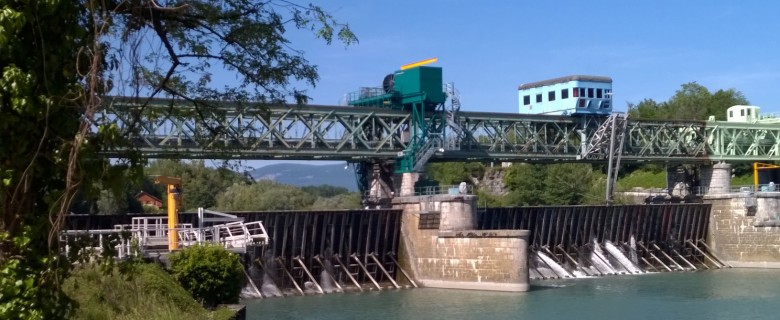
{"points": [[162, 128]]}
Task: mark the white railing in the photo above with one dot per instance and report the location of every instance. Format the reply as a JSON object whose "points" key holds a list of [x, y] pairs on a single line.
{"points": [[445, 189], [151, 233]]}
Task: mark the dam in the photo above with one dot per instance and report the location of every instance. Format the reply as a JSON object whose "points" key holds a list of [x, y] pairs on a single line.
{"points": [[445, 241]]}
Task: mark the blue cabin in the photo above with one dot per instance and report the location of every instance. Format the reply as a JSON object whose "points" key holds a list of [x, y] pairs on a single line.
{"points": [[571, 95]]}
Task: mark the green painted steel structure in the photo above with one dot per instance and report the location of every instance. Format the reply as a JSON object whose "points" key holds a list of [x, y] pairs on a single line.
{"points": [[161, 128]]}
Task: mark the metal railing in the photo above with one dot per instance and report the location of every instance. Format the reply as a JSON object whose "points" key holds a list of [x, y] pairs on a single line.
{"points": [[151, 234], [443, 189]]}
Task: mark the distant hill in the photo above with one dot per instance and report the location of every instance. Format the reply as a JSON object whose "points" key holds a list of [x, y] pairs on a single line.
{"points": [[308, 175]]}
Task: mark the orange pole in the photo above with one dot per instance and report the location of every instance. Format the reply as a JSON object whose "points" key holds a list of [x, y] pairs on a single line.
{"points": [[173, 218], [755, 176]]}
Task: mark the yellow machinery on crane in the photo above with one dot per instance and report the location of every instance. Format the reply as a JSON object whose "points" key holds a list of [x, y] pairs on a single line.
{"points": [[173, 188]]}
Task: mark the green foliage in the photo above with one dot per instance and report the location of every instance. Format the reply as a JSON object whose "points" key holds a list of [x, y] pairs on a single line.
{"points": [[642, 179], [452, 173], [38, 120], [341, 201], [210, 273], [692, 102], [556, 184], [53, 70], [742, 180], [144, 292], [200, 184], [324, 190], [525, 183], [264, 195], [26, 293]]}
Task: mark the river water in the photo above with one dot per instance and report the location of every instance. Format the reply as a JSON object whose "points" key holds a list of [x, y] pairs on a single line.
{"points": [[718, 294]]}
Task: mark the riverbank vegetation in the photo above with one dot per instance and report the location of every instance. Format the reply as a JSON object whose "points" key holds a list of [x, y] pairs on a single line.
{"points": [[143, 291], [59, 59]]}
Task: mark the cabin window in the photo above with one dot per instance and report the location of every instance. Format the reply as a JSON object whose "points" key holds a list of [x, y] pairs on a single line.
{"points": [[731, 114], [575, 92], [526, 100], [564, 93], [551, 96], [742, 112], [748, 111], [538, 98], [599, 94], [582, 92], [590, 92]]}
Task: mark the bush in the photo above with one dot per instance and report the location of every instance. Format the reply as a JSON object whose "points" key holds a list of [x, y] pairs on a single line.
{"points": [[210, 273], [144, 291]]}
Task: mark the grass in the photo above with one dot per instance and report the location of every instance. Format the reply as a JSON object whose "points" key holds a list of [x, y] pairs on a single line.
{"points": [[147, 293], [744, 180], [642, 179]]}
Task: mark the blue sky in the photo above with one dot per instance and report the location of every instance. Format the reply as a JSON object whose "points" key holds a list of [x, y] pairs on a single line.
{"points": [[489, 48]]}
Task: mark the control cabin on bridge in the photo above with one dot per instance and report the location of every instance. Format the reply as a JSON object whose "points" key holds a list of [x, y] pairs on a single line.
{"points": [[570, 95], [750, 114]]}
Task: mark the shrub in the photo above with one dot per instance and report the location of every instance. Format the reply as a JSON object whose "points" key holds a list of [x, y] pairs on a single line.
{"points": [[210, 273], [145, 291]]}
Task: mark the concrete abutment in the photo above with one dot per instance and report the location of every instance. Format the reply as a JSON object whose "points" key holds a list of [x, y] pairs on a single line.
{"points": [[452, 253]]}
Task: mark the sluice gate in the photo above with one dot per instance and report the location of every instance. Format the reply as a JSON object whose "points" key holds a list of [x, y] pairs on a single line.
{"points": [[578, 241], [310, 252]]}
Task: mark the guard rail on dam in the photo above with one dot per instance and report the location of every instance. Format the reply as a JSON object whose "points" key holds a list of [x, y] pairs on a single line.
{"points": [[308, 250], [577, 241]]}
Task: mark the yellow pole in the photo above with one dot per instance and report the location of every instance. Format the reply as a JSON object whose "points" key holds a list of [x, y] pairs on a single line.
{"points": [[173, 218], [755, 176]]}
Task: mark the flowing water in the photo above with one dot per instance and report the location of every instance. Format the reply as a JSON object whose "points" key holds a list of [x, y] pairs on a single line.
{"points": [[621, 258], [599, 261], [719, 294], [557, 269]]}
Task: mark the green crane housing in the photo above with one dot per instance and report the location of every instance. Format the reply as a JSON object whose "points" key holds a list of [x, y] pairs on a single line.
{"points": [[420, 91]]}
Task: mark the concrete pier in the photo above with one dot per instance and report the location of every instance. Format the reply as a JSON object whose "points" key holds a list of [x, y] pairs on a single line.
{"points": [[744, 228], [442, 249]]}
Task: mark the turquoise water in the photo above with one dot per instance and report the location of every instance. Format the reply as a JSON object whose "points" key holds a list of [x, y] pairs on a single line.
{"points": [[719, 294]]}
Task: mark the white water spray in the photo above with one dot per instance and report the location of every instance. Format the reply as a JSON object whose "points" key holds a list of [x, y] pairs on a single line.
{"points": [[556, 268], [598, 259], [624, 262], [268, 288], [632, 251]]}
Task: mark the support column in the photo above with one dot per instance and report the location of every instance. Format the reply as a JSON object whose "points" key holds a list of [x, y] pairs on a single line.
{"points": [[408, 179], [716, 178]]}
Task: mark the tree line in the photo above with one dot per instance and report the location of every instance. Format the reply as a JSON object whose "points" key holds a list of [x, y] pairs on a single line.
{"points": [[216, 188]]}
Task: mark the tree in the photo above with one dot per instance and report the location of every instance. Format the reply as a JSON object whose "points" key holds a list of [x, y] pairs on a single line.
{"points": [[200, 184], [325, 191], [691, 102], [264, 195], [340, 201], [526, 184], [452, 173], [211, 273], [58, 60], [554, 184], [568, 183], [39, 42]]}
